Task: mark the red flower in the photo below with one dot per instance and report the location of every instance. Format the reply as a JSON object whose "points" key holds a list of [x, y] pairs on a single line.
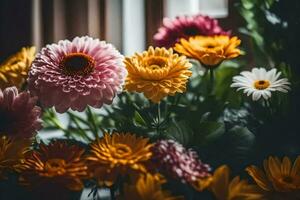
{"points": [[19, 116], [185, 27], [178, 162]]}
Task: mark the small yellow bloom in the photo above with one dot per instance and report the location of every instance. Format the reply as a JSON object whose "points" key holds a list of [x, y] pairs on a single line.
{"points": [[225, 189], [209, 50], [118, 154], [11, 151], [56, 165], [157, 73], [281, 178], [13, 71], [146, 188]]}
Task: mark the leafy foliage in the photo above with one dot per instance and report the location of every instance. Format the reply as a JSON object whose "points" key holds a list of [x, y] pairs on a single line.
{"points": [[273, 26]]}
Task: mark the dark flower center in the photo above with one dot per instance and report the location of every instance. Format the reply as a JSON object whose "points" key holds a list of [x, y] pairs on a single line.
{"points": [[77, 64], [210, 46], [288, 179], [191, 31]]}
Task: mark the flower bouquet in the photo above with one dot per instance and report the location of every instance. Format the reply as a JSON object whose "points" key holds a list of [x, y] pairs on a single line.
{"points": [[187, 119]]}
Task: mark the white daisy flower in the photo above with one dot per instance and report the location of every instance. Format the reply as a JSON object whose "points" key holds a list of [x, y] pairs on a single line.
{"points": [[260, 83]]}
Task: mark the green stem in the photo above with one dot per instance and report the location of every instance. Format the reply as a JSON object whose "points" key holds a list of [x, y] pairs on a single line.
{"points": [[50, 119], [78, 127], [211, 80], [93, 124], [59, 126], [158, 118], [158, 112], [56, 122], [269, 106], [177, 99]]}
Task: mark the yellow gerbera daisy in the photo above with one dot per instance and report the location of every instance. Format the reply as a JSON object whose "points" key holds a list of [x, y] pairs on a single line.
{"points": [[209, 50], [118, 154], [14, 70], [147, 188], [157, 73], [236, 189], [11, 151], [281, 178]]}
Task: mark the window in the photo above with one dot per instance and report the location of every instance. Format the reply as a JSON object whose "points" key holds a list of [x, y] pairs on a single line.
{"points": [[128, 24]]}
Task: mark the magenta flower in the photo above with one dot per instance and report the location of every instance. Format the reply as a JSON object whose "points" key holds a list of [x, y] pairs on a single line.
{"points": [[177, 162], [185, 27], [75, 74], [19, 115]]}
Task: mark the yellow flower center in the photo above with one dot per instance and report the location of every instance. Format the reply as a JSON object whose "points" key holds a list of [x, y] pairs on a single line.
{"points": [[261, 84], [155, 63], [55, 167], [121, 150], [77, 64]]}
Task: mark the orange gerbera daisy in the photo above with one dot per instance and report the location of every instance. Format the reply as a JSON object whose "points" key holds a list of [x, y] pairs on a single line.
{"points": [[118, 154], [225, 189], [281, 179], [14, 70], [53, 169], [157, 73], [209, 50], [147, 188]]}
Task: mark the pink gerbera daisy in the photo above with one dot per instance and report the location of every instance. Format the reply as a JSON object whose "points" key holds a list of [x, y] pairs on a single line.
{"points": [[19, 116], [75, 74], [177, 162], [185, 27]]}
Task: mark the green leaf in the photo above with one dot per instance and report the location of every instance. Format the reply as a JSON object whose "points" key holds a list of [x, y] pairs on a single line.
{"points": [[247, 4], [180, 132], [258, 39], [223, 90], [269, 3], [239, 143], [138, 120], [209, 132], [248, 15]]}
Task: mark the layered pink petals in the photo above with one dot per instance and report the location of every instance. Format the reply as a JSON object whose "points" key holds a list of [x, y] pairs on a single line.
{"points": [[178, 162], [19, 116], [185, 27], [53, 87]]}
